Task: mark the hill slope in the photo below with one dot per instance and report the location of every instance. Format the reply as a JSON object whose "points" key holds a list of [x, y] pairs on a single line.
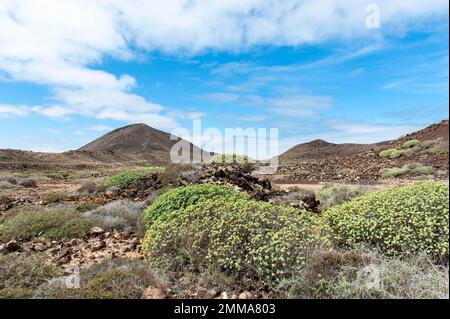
{"points": [[135, 142]]}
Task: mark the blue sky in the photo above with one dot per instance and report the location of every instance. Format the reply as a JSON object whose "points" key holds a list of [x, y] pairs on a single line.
{"points": [[341, 83]]}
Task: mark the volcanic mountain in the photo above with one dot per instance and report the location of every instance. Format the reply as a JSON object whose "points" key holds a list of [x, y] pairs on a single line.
{"points": [[136, 142]]}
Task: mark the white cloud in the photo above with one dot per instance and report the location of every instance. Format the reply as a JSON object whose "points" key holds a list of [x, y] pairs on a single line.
{"points": [[100, 128], [7, 110], [61, 43], [299, 105]]}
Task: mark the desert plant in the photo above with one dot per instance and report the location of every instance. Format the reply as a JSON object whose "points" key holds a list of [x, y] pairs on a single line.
{"points": [[179, 198], [53, 223], [411, 144], [121, 214], [407, 169], [10, 179], [91, 188], [241, 236], [28, 183], [54, 197], [125, 178], [402, 220], [20, 274], [386, 153], [368, 274], [336, 194], [397, 154], [110, 279]]}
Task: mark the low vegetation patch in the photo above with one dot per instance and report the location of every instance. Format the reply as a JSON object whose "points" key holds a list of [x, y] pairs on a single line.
{"points": [[240, 236], [386, 153], [111, 279], [368, 274], [53, 223], [54, 197], [180, 198], [126, 178], [336, 194], [407, 169], [121, 214], [403, 220], [410, 144], [21, 275]]}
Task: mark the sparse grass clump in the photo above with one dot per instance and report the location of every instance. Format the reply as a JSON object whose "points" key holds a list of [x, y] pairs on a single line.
{"points": [[397, 154], [29, 183], [400, 221], [239, 236], [121, 214], [180, 198], [21, 275], [368, 275], [53, 223], [110, 279], [386, 153], [125, 178], [407, 169], [336, 194], [54, 197], [410, 144]]}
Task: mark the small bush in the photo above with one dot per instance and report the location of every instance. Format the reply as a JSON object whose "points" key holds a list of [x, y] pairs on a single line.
{"points": [[402, 220], [386, 153], [397, 154], [407, 169], [411, 144], [179, 198], [369, 275], [85, 207], [21, 275], [5, 185], [110, 279], [244, 237], [53, 223], [29, 183], [121, 214], [54, 197], [336, 194], [125, 178], [10, 179]]}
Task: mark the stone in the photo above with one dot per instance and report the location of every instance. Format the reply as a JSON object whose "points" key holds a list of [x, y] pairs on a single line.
{"points": [[95, 231], [96, 246], [245, 295], [153, 293]]}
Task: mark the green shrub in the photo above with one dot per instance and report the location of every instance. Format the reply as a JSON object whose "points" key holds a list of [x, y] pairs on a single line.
{"points": [[85, 207], [125, 178], [402, 220], [386, 153], [179, 198], [397, 154], [240, 236], [411, 143], [336, 194], [53, 223], [20, 275]]}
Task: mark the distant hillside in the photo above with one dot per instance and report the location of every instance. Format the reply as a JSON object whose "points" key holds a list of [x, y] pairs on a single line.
{"points": [[135, 142], [320, 150]]}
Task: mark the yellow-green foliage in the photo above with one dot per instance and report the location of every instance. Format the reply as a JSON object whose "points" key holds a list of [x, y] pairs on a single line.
{"points": [[386, 153], [402, 220], [52, 223], [411, 144], [229, 158], [125, 178], [407, 169], [181, 197], [397, 154], [242, 236]]}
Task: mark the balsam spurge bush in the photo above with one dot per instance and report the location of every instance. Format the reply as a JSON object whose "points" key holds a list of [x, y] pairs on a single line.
{"points": [[240, 236], [182, 197], [125, 178], [400, 221]]}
